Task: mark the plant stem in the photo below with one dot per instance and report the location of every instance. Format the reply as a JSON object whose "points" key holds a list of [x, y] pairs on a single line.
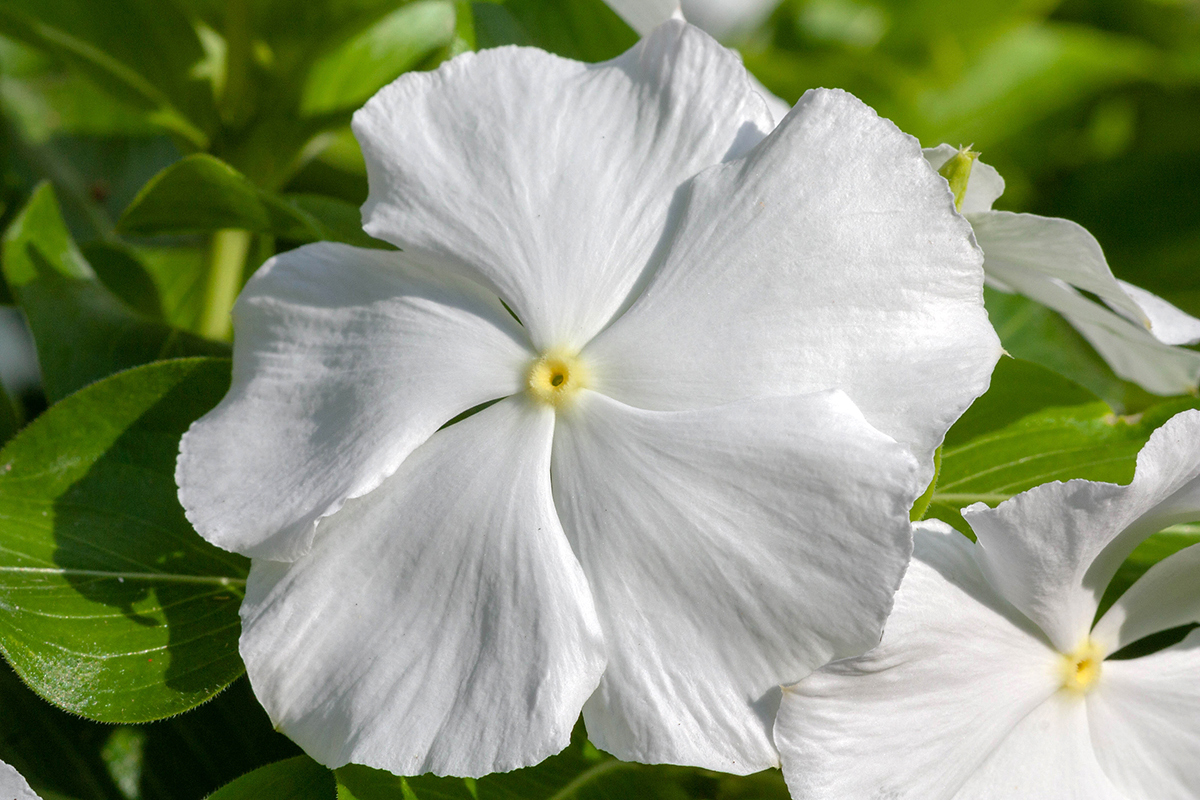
{"points": [[226, 262]]}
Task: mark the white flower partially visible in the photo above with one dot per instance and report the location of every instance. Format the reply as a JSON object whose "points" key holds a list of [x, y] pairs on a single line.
{"points": [[991, 682], [13, 786], [688, 489], [1050, 260]]}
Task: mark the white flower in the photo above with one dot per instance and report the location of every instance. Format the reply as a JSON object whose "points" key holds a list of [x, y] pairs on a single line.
{"points": [[991, 682], [1051, 259], [675, 504], [13, 786]]}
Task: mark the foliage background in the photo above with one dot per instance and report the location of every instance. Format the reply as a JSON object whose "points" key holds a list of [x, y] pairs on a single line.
{"points": [[1089, 108]]}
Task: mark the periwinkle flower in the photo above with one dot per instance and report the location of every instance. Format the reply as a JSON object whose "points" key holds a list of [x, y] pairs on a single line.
{"points": [[729, 358], [993, 683]]}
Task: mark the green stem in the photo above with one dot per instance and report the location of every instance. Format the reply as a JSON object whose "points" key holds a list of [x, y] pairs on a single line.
{"points": [[226, 262]]}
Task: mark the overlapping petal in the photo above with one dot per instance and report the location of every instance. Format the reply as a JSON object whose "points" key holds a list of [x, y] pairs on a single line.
{"points": [[729, 550], [1145, 722], [826, 258], [1167, 596], [561, 214], [1168, 324], [956, 672], [645, 15], [1051, 551], [13, 785], [346, 360], [441, 623], [1038, 249]]}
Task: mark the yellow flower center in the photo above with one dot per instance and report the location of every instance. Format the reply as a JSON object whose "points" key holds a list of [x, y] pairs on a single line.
{"points": [[555, 378], [1081, 668]]}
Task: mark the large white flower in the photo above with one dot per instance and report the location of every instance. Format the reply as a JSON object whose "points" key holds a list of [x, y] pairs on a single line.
{"points": [[13, 786], [991, 681], [675, 503], [1050, 260]]}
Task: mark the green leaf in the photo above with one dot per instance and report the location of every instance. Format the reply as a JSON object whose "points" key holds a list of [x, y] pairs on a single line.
{"points": [[122, 273], [150, 68], [1085, 441], [581, 772], [110, 605], [10, 423], [201, 193], [82, 331], [585, 30], [1018, 388], [348, 76], [1030, 331], [298, 778]]}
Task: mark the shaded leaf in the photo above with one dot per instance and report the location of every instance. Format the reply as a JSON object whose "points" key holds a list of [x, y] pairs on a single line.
{"points": [[346, 77], [150, 69], [111, 606], [82, 331], [298, 778], [585, 30], [201, 193], [122, 273]]}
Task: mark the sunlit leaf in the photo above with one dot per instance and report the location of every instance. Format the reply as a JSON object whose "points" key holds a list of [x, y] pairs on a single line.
{"points": [[111, 606]]}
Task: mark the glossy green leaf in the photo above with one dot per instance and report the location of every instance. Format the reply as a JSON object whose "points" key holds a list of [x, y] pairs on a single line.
{"points": [[201, 194], [581, 772], [1018, 388], [298, 778], [82, 331], [585, 30], [111, 606], [151, 68], [346, 77], [1086, 441]]}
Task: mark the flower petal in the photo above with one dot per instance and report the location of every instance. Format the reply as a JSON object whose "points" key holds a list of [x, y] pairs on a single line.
{"points": [[549, 180], [984, 186], [729, 550], [1145, 722], [346, 359], [1049, 754], [1165, 597], [830, 257], [956, 671], [1025, 248], [13, 786], [1168, 324], [441, 623], [1051, 551]]}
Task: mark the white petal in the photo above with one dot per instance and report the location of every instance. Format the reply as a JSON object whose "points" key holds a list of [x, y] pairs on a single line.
{"points": [[645, 15], [1145, 722], [830, 257], [345, 360], [549, 180], [984, 186], [441, 623], [729, 550], [1029, 246], [1168, 324], [1167, 596], [1051, 551], [1049, 754], [956, 671], [13, 786]]}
